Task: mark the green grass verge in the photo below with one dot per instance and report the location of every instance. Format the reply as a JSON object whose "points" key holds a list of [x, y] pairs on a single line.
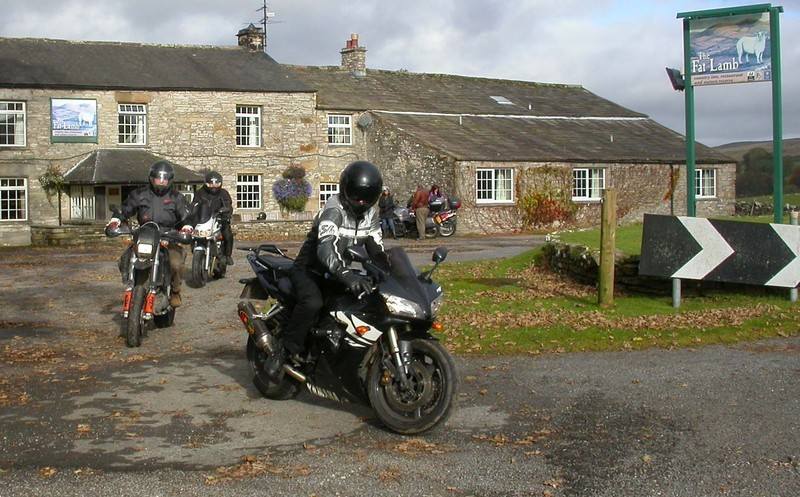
{"points": [[788, 198], [501, 307]]}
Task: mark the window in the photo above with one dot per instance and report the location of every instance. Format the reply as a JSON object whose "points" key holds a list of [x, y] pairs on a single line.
{"points": [[588, 184], [12, 124], [187, 191], [705, 183], [248, 126], [325, 192], [132, 124], [494, 185], [339, 129], [248, 191], [13, 203], [501, 100]]}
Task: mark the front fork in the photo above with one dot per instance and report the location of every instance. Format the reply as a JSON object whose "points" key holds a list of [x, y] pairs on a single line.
{"points": [[150, 298], [401, 355]]}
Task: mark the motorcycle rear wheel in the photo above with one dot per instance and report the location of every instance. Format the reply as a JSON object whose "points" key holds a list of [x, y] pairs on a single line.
{"points": [[199, 273], [287, 388], [135, 323], [434, 381], [447, 228]]}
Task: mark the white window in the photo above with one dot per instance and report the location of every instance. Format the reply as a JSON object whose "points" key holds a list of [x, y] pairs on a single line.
{"points": [[588, 183], [13, 199], [502, 100], [132, 124], [187, 191], [248, 191], [705, 183], [339, 129], [248, 126], [494, 185], [325, 192], [12, 124]]}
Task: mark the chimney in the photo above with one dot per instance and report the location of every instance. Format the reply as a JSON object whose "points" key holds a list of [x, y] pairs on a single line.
{"points": [[252, 38], [354, 58]]}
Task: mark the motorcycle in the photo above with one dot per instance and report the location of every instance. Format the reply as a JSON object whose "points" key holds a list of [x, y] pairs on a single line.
{"points": [[440, 221], [207, 245], [375, 348], [147, 276]]}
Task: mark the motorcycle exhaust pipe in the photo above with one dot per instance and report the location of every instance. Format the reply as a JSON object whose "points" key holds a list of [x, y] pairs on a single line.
{"points": [[297, 375], [256, 328]]}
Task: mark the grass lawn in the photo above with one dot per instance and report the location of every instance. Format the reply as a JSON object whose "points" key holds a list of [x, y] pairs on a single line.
{"points": [[517, 306], [788, 198]]}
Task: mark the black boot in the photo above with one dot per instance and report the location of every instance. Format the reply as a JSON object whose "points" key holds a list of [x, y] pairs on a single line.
{"points": [[229, 260], [273, 366]]}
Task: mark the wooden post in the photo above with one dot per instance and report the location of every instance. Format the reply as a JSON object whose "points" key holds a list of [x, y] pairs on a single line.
{"points": [[608, 245]]}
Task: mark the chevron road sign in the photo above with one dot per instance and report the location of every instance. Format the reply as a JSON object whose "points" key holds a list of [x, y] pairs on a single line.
{"points": [[696, 248]]}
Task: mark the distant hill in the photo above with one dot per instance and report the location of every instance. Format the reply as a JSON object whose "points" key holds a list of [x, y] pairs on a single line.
{"points": [[736, 150]]}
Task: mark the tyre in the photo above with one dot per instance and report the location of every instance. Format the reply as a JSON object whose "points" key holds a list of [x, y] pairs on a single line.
{"points": [[432, 397], [286, 389], [165, 320], [199, 273], [400, 229], [136, 324], [447, 228]]}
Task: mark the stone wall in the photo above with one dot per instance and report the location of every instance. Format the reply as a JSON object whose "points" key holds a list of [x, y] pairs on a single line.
{"points": [[641, 188], [406, 163], [195, 129], [270, 230]]}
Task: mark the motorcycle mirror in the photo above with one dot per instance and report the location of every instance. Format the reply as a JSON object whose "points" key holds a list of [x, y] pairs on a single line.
{"points": [[439, 255]]}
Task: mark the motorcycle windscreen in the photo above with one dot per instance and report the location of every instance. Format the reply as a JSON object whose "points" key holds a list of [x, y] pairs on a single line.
{"points": [[405, 281], [202, 212]]}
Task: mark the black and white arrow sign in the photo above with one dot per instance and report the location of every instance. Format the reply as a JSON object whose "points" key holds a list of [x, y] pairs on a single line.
{"points": [[731, 251]]}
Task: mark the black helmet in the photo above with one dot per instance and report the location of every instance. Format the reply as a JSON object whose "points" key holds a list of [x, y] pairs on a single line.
{"points": [[161, 170], [213, 181], [360, 186]]}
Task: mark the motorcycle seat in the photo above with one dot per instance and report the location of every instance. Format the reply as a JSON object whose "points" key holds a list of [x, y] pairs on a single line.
{"points": [[277, 263]]}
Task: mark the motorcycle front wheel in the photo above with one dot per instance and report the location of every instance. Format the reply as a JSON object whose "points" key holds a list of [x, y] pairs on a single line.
{"points": [[286, 389], [447, 228], [135, 323], [199, 273], [431, 397]]}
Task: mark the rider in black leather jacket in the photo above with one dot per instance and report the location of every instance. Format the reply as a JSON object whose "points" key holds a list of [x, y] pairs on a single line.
{"points": [[348, 218], [217, 198]]}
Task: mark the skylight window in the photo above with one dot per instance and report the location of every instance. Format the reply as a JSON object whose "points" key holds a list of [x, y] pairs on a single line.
{"points": [[502, 100]]}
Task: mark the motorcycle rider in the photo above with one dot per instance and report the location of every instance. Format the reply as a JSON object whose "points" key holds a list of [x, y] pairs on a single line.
{"points": [[217, 198], [159, 202], [347, 218]]}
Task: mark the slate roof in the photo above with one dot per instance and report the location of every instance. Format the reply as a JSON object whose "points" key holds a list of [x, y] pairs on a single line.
{"points": [[123, 167], [45, 63], [563, 123]]}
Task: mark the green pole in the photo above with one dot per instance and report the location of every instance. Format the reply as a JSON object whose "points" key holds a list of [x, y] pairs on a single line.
{"points": [[777, 114], [689, 104]]}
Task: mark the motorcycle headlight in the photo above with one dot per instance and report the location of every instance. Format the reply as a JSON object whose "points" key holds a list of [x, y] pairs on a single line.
{"points": [[144, 249], [436, 305], [402, 307], [202, 233]]}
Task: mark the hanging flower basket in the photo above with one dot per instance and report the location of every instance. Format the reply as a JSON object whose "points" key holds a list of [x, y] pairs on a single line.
{"points": [[292, 191]]}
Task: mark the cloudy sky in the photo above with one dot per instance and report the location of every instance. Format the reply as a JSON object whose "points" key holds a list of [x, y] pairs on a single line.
{"points": [[617, 49]]}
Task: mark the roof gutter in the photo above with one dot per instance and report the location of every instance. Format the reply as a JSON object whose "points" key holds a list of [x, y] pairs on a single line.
{"points": [[512, 116]]}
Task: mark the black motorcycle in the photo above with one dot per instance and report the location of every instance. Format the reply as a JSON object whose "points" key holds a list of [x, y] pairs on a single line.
{"points": [[376, 348], [147, 277], [208, 261]]}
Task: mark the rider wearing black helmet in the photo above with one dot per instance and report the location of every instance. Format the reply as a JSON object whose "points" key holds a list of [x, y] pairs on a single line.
{"points": [[217, 198], [160, 203], [348, 218]]}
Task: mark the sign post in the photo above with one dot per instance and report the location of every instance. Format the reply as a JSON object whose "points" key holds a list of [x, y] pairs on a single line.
{"points": [[726, 46]]}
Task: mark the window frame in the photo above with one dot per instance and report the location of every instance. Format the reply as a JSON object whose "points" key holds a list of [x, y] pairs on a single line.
{"points": [[588, 187], [259, 183], [241, 114], [328, 193], [25, 192], [493, 178], [24, 113], [339, 126], [698, 183], [130, 113]]}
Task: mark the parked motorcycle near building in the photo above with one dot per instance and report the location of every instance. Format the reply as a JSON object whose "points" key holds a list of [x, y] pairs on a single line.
{"points": [[441, 220], [376, 349]]}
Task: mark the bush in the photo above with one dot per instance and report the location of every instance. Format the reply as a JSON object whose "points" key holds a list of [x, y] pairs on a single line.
{"points": [[541, 209]]}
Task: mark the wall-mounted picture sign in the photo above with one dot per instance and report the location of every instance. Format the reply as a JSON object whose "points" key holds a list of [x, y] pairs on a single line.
{"points": [[73, 120]]}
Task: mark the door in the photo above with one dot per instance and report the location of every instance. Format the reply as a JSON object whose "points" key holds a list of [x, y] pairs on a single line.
{"points": [[100, 203]]}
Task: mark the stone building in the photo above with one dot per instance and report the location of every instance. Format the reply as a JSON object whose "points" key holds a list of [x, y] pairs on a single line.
{"points": [[119, 106], [516, 153]]}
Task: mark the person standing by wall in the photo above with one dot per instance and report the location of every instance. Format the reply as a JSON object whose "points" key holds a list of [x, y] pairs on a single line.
{"points": [[419, 204], [387, 206]]}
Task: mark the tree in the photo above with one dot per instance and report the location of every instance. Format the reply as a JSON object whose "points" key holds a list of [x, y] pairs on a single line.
{"points": [[53, 183]]}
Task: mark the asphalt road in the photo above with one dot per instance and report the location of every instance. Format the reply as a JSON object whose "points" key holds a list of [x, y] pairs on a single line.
{"points": [[81, 414]]}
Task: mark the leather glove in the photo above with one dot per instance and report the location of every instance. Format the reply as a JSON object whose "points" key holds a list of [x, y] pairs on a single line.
{"points": [[187, 230], [356, 283]]}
